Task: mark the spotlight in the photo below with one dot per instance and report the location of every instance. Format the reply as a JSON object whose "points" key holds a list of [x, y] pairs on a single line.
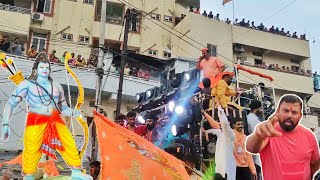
{"points": [[141, 119], [187, 76], [176, 80], [140, 97], [149, 94], [174, 130], [171, 106], [179, 109]]}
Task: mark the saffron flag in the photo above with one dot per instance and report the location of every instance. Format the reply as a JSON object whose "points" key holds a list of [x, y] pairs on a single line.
{"points": [[126, 155], [48, 167], [226, 1]]}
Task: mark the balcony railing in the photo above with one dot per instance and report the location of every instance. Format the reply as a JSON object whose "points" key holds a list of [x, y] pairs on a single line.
{"points": [[113, 20], [7, 7]]}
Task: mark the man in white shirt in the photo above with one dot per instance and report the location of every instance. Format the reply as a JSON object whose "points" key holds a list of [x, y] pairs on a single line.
{"points": [[253, 120], [224, 158]]}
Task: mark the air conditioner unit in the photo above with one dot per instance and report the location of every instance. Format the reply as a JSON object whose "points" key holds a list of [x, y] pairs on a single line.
{"points": [[238, 48], [37, 16]]}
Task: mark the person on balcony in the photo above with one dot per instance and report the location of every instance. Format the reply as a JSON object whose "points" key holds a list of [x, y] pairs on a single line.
{"points": [[204, 13], [197, 11], [18, 47], [294, 35], [217, 17], [210, 15], [80, 61], [5, 44], [127, 70], [52, 57], [140, 73], [73, 60], [62, 58], [147, 75], [191, 9], [211, 66], [32, 52]]}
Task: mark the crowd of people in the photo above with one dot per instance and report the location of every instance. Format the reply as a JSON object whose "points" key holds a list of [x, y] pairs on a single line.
{"points": [[17, 48], [249, 24], [131, 70], [276, 67]]}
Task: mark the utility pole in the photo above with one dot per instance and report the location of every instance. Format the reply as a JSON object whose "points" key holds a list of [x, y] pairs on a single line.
{"points": [[99, 72], [128, 18], [99, 69]]}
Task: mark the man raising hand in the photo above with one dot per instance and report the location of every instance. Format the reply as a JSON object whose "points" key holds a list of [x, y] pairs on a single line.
{"points": [[287, 149]]}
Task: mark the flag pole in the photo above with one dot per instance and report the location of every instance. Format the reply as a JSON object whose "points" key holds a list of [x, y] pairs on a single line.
{"points": [[197, 173], [233, 11]]}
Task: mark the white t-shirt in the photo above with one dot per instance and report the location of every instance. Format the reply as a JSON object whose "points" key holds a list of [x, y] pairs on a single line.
{"points": [[253, 121], [224, 159]]}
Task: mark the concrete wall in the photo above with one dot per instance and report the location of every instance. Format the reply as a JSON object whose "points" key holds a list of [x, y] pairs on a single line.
{"points": [[271, 41], [15, 23], [282, 59], [282, 80], [204, 31]]}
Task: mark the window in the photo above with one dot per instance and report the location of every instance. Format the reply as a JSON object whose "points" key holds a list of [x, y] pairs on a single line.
{"points": [[115, 12], [44, 6], [166, 54], [84, 39], [168, 18], [88, 1], [212, 49], [295, 61], [39, 41], [67, 36], [135, 24], [155, 16], [257, 62], [257, 53], [153, 52]]}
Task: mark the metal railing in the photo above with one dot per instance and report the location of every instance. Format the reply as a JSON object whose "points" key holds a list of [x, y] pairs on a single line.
{"points": [[7, 7]]}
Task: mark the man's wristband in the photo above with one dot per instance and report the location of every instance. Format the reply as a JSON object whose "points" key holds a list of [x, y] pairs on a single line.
{"points": [[5, 125]]}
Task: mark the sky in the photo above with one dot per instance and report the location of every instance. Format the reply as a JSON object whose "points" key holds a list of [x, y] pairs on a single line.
{"points": [[301, 16]]}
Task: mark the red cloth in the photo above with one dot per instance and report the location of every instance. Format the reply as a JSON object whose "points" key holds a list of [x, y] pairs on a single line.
{"points": [[288, 157], [51, 139], [140, 130]]}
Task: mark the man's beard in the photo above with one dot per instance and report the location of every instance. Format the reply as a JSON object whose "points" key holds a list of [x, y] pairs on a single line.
{"points": [[287, 128], [239, 129], [150, 126]]}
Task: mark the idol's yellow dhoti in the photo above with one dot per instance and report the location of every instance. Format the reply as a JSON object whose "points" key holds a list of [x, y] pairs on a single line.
{"points": [[45, 134]]}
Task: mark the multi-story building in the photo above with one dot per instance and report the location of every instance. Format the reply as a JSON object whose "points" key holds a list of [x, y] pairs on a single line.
{"points": [[256, 50], [73, 26]]}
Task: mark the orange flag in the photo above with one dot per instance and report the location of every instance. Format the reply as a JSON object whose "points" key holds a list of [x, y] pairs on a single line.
{"points": [[226, 1], [126, 155], [16, 160], [49, 166]]}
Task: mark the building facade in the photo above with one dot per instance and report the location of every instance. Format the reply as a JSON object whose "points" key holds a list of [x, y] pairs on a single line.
{"points": [[161, 32], [73, 25]]}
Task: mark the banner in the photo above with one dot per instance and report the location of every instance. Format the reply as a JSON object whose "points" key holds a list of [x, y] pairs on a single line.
{"points": [[126, 155]]}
